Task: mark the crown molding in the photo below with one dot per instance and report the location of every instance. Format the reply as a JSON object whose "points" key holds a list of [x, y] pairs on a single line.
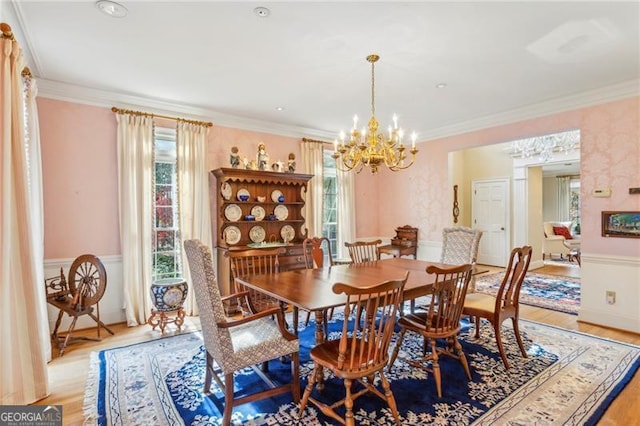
{"points": [[602, 95], [102, 98]]}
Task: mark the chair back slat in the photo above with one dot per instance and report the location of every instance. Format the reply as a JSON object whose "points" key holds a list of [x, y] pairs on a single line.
{"points": [[363, 251], [509, 292], [255, 262], [314, 253], [447, 300], [370, 315]]}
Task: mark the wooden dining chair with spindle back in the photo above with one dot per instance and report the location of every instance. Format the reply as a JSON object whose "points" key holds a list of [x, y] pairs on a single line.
{"points": [[505, 304], [363, 251]]}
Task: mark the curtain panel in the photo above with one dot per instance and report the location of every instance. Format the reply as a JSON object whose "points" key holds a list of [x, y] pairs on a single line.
{"points": [[23, 317], [312, 163], [564, 198], [135, 192], [193, 194]]}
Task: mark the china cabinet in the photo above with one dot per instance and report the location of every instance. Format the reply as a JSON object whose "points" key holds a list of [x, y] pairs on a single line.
{"points": [[257, 209]]}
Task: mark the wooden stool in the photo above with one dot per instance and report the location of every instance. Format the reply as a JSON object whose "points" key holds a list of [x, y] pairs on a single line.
{"points": [[168, 296]]}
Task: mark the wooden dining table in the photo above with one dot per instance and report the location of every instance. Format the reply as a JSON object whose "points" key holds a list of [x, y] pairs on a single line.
{"points": [[311, 289]]}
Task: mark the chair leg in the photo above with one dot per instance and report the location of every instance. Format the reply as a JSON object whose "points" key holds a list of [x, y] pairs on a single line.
{"points": [[306, 321], [228, 399], [295, 376], [307, 391], [435, 365], [503, 355], [390, 399], [208, 373], [461, 356], [477, 321], [396, 349], [348, 404], [516, 331]]}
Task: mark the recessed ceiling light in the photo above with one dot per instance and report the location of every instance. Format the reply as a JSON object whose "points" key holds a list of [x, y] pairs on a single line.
{"points": [[262, 12], [111, 8], [441, 85], [279, 108]]}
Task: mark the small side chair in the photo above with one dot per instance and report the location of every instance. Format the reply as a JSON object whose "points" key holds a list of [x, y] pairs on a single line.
{"points": [[505, 304]]}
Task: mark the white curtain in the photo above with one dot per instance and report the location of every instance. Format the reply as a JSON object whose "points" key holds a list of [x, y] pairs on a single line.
{"points": [[23, 320], [346, 212], [193, 193], [312, 163], [564, 198], [135, 192]]}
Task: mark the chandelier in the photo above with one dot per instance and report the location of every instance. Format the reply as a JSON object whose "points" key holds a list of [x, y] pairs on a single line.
{"points": [[545, 146], [369, 147]]}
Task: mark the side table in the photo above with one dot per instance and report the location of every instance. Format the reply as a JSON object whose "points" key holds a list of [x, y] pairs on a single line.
{"points": [[168, 296]]}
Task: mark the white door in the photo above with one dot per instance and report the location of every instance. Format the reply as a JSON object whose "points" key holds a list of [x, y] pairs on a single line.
{"points": [[489, 213]]}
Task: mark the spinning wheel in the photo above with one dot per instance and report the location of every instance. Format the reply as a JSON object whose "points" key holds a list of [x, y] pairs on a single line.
{"points": [[87, 279], [76, 297]]}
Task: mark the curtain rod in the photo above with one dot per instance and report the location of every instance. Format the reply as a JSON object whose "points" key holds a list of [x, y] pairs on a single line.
{"points": [[168, 117], [314, 140]]}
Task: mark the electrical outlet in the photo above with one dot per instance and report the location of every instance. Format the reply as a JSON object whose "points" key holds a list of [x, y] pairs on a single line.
{"points": [[611, 297]]}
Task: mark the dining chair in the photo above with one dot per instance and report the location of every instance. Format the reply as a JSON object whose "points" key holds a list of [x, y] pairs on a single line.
{"points": [[315, 255], [249, 262], [361, 351], [233, 345], [459, 246], [363, 251], [440, 321], [505, 304]]}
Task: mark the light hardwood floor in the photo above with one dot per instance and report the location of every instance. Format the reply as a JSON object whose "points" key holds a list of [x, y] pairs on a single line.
{"points": [[68, 374]]}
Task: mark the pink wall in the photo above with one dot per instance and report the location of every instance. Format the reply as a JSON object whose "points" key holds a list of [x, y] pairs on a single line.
{"points": [[79, 179], [80, 182], [80, 173], [610, 158]]}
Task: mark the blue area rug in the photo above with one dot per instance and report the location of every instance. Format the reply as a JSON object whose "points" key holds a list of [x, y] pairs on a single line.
{"points": [[544, 291], [568, 378]]}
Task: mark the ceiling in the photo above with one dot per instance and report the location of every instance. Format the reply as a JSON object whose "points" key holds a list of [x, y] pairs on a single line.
{"points": [[220, 61]]}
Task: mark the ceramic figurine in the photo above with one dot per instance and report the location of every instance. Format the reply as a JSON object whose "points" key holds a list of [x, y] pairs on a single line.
{"points": [[291, 164], [263, 157], [234, 158]]}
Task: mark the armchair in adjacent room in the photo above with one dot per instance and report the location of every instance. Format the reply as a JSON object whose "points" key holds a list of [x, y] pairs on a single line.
{"points": [[558, 240]]}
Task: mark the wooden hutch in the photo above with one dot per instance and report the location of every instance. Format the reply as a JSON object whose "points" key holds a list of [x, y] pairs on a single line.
{"points": [[257, 209]]}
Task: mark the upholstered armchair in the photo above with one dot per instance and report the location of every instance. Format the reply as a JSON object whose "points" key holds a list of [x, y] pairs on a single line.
{"points": [[459, 246], [558, 244]]}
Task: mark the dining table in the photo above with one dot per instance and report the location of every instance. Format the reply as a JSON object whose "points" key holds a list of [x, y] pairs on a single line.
{"points": [[311, 289]]}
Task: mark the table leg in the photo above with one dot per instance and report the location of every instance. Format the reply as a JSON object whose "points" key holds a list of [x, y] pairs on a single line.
{"points": [[320, 337]]}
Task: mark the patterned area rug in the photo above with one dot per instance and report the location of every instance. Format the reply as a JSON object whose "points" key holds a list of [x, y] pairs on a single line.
{"points": [[568, 378], [544, 291]]}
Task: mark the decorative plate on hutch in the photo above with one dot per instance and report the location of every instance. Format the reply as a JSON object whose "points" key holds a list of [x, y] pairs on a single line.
{"points": [[225, 191], [287, 233], [243, 194], [232, 235], [258, 212], [281, 212], [257, 234], [275, 195], [233, 212]]}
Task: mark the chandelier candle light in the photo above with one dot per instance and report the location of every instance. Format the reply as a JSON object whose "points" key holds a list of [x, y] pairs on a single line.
{"points": [[368, 147]]}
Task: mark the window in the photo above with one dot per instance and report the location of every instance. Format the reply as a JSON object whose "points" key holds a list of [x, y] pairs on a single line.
{"points": [[166, 231], [330, 201]]}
